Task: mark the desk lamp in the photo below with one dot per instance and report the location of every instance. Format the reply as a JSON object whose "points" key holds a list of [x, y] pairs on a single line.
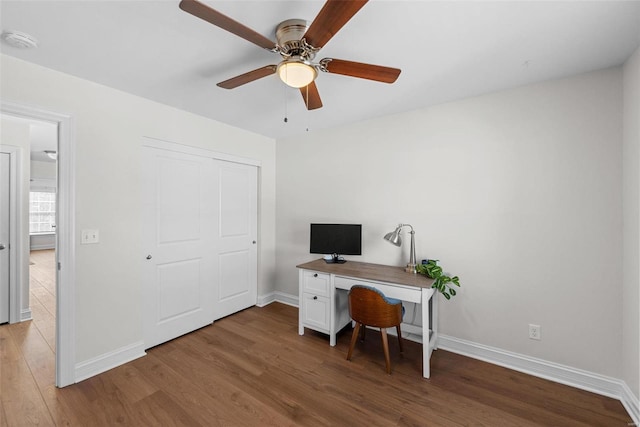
{"points": [[395, 239]]}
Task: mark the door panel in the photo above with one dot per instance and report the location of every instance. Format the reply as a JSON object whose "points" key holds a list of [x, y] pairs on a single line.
{"points": [[179, 195], [237, 255], [180, 221], [236, 206], [179, 288], [234, 275], [5, 175]]}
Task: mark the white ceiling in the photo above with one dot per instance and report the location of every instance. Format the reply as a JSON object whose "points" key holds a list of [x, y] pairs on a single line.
{"points": [[447, 50]]}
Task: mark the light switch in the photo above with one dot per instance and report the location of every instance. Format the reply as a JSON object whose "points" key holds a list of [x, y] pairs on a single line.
{"points": [[90, 237]]}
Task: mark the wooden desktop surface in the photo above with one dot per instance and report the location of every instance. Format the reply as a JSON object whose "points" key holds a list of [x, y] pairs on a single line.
{"points": [[365, 270]]}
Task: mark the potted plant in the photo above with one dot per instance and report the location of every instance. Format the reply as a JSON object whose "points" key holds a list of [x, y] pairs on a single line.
{"points": [[442, 282]]}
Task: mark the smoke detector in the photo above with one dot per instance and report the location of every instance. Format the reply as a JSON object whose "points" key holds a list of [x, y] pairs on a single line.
{"points": [[19, 40]]}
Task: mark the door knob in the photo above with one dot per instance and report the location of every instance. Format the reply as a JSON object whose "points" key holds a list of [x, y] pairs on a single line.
{"points": [[2, 246], [149, 257]]}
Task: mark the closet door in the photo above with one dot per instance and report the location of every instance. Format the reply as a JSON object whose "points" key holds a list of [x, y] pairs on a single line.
{"points": [[237, 255], [181, 214]]}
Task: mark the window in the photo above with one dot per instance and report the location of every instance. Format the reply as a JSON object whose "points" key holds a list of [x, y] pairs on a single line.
{"points": [[42, 212]]}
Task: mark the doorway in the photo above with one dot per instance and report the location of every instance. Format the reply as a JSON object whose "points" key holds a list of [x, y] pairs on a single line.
{"points": [[27, 212], [64, 263], [43, 186]]}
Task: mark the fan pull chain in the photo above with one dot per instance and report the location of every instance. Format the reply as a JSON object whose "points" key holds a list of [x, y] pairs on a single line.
{"points": [[307, 99], [284, 88]]}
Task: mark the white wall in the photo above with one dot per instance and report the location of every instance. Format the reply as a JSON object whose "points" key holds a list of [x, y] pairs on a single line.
{"points": [[631, 224], [43, 174], [16, 133], [517, 192], [109, 126]]}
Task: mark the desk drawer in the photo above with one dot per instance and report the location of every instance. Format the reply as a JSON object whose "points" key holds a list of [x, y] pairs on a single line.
{"points": [[405, 293], [316, 283], [316, 312]]}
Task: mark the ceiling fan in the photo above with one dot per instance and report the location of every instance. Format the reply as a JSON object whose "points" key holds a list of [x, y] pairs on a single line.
{"points": [[298, 43]]}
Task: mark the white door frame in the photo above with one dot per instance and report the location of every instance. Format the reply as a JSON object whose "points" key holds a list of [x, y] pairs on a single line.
{"points": [[65, 236], [15, 244]]}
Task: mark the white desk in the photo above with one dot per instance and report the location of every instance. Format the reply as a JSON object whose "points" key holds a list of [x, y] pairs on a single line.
{"points": [[324, 307]]}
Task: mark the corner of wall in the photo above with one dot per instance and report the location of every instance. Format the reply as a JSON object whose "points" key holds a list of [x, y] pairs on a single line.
{"points": [[631, 226]]}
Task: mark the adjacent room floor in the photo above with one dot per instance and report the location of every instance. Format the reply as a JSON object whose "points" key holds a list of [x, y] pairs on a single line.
{"points": [[42, 293]]}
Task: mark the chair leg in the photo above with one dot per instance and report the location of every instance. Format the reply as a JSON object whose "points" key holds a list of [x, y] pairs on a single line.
{"points": [[385, 346], [362, 332], [399, 338], [354, 337]]}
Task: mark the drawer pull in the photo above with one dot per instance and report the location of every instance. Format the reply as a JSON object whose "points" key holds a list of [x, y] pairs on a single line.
{"points": [[315, 275], [315, 297]]}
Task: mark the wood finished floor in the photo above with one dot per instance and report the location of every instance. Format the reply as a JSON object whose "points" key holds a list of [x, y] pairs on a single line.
{"points": [[253, 369]]}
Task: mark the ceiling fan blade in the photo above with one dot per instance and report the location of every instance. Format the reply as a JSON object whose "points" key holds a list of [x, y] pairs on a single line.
{"points": [[311, 96], [202, 11], [333, 15], [361, 70], [248, 77]]}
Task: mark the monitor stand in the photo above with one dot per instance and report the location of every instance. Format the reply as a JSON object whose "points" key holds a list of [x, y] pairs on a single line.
{"points": [[335, 259]]}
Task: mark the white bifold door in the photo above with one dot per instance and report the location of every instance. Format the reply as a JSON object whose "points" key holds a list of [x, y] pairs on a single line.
{"points": [[200, 229]]}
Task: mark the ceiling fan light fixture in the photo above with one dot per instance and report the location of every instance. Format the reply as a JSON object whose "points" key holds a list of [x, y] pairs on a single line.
{"points": [[296, 73]]}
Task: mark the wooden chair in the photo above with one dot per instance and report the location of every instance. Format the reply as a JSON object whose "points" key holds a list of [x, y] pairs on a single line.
{"points": [[369, 307]]}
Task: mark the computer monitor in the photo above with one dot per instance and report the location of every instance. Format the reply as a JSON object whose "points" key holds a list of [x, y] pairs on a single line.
{"points": [[336, 240]]}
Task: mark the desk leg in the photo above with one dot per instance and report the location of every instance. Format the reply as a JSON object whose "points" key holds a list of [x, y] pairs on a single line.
{"points": [[300, 301], [333, 312], [426, 348], [434, 320]]}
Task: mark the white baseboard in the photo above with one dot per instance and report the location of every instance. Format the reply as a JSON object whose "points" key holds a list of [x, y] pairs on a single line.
{"points": [[567, 375], [41, 247], [631, 403], [104, 362], [279, 297], [265, 299], [25, 314]]}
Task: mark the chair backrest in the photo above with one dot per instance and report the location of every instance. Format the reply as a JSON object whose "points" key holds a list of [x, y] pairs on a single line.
{"points": [[369, 306]]}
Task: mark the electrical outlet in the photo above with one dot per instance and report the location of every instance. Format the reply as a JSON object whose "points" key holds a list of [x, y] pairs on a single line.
{"points": [[534, 332]]}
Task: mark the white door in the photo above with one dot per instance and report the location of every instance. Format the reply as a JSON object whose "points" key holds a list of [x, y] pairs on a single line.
{"points": [[238, 283], [180, 221], [4, 236]]}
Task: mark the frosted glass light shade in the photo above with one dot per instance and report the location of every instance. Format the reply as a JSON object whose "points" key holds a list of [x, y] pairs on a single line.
{"points": [[296, 73]]}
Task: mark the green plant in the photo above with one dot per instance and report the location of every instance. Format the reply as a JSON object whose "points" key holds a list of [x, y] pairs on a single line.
{"points": [[442, 282]]}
